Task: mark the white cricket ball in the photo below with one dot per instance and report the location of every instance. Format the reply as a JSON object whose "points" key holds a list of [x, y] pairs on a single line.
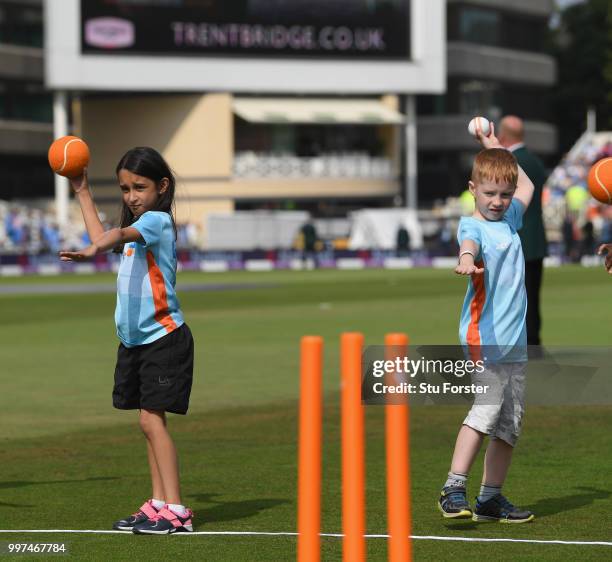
{"points": [[483, 123]]}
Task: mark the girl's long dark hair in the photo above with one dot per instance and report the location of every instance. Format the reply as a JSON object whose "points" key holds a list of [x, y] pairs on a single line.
{"points": [[147, 162]]}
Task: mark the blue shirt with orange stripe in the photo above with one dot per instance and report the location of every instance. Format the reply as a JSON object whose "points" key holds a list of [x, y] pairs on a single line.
{"points": [[495, 305], [147, 306]]}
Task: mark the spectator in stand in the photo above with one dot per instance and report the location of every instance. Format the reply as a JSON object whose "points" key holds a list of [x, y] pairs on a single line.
{"points": [[567, 231], [51, 236], [606, 228], [606, 151], [309, 236], [533, 235], [588, 239], [577, 199], [403, 242], [466, 200]]}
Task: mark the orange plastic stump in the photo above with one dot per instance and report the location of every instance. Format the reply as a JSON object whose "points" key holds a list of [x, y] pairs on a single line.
{"points": [[353, 450], [309, 455], [397, 442]]}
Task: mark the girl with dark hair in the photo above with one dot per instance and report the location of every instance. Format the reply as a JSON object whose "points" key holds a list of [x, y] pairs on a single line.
{"points": [[149, 163], [155, 358]]}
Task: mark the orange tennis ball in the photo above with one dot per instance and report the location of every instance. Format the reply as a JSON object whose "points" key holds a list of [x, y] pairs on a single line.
{"points": [[68, 156], [600, 180]]}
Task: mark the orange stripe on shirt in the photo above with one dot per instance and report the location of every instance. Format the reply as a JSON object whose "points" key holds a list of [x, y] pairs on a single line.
{"points": [[476, 306], [160, 298]]}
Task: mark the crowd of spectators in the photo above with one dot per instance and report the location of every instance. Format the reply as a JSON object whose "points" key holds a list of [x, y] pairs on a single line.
{"points": [[30, 230], [25, 229], [581, 221], [574, 169]]}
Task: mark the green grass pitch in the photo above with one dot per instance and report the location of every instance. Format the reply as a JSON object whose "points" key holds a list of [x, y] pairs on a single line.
{"points": [[68, 460]]}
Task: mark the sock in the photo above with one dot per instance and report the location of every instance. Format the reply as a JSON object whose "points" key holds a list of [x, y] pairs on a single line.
{"points": [[456, 479], [158, 504], [177, 508], [487, 492]]}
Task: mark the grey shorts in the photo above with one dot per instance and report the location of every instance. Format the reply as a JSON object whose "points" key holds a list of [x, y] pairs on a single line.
{"points": [[499, 411]]}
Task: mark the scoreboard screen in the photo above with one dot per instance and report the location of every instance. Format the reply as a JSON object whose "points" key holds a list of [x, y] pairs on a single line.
{"points": [[316, 29]]}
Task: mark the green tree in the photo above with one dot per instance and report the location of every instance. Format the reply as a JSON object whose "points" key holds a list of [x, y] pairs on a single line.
{"points": [[582, 45]]}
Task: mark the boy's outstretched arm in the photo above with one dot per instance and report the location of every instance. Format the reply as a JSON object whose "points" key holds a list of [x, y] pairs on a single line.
{"points": [[94, 226], [524, 186], [107, 241], [467, 255]]}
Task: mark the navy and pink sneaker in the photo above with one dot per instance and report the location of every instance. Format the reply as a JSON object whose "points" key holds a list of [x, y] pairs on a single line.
{"points": [[146, 512], [165, 522]]}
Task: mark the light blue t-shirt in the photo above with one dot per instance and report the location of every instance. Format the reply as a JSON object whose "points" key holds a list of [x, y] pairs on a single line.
{"points": [[495, 305], [147, 307]]}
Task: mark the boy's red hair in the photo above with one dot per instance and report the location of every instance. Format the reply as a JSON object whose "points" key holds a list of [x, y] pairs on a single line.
{"points": [[495, 164]]}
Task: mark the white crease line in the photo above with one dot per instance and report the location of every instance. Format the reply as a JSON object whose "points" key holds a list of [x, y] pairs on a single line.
{"points": [[337, 535]]}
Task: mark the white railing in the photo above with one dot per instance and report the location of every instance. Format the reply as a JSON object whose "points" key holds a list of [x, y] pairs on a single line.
{"points": [[345, 165]]}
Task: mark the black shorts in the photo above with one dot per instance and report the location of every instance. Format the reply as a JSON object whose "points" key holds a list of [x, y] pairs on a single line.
{"points": [[156, 376]]}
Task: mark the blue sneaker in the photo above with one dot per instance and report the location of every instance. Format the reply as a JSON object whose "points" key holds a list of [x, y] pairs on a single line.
{"points": [[165, 522], [146, 512], [499, 509], [453, 503]]}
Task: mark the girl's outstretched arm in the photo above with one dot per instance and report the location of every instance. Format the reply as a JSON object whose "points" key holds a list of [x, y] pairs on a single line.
{"points": [[94, 226], [107, 241]]}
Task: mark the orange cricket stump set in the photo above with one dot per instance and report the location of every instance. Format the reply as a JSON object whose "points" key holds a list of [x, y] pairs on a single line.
{"points": [[353, 454]]}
